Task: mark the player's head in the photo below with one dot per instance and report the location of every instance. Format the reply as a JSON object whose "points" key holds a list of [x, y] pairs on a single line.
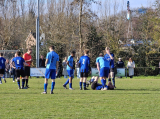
{"points": [[29, 51], [100, 54], [15, 55], [120, 59], [51, 48], [107, 49], [18, 53], [7, 61], [73, 53], [1, 54], [86, 51]]}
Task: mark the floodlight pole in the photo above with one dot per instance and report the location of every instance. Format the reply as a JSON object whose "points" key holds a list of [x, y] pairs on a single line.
{"points": [[37, 36]]}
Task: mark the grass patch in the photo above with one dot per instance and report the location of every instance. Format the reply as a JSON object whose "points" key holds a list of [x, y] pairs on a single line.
{"points": [[133, 99]]}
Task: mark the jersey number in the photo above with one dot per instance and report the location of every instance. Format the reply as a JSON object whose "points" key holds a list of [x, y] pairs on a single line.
{"points": [[52, 59], [83, 61], [17, 61]]}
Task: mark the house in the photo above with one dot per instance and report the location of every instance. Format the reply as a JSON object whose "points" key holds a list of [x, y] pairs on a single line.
{"points": [[31, 40]]}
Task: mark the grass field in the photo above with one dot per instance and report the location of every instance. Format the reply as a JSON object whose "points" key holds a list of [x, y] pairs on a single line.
{"points": [[137, 98]]}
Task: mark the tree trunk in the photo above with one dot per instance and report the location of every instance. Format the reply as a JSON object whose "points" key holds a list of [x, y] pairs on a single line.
{"points": [[80, 27]]}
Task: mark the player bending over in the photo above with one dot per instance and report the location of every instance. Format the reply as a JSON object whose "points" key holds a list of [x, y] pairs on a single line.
{"points": [[84, 64], [70, 70], [96, 86], [19, 63], [2, 67], [52, 62]]}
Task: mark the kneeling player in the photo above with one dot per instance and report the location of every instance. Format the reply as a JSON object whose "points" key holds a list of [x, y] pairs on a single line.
{"points": [[19, 63], [96, 86], [2, 67], [84, 63]]}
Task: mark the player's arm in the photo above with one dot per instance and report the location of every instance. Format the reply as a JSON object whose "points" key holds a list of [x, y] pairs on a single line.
{"points": [[68, 64], [12, 64], [98, 67], [108, 52], [46, 62]]}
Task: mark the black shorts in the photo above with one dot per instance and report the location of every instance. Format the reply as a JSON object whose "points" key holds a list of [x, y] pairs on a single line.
{"points": [[20, 72], [94, 85], [111, 70], [27, 71], [84, 74], [2, 71]]}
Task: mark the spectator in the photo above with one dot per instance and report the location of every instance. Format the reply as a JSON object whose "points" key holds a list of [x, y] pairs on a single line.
{"points": [[64, 64], [7, 67], [12, 65], [120, 64], [42, 62], [59, 72], [77, 67], [131, 66]]}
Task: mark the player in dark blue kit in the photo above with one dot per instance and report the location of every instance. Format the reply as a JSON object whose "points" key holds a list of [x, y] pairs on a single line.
{"points": [[19, 70], [2, 67], [70, 63], [111, 74], [84, 64], [52, 63]]}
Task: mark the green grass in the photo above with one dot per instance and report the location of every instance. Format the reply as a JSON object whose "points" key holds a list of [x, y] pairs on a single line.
{"points": [[133, 99]]}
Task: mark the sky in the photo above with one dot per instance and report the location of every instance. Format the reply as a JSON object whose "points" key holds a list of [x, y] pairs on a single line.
{"points": [[133, 4]]}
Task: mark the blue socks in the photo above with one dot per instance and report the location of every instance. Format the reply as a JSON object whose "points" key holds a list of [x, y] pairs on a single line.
{"points": [[66, 82], [0, 79], [80, 84], [52, 86], [102, 81], [70, 85], [45, 87], [84, 84], [18, 82]]}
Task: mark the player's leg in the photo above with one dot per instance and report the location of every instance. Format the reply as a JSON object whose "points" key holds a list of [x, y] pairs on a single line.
{"points": [[81, 80], [102, 74], [47, 76], [65, 84], [70, 80], [84, 80], [53, 77], [27, 71], [18, 78], [0, 78], [23, 78], [113, 78]]}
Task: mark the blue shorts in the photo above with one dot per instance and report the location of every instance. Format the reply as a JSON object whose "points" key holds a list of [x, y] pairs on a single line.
{"points": [[104, 72], [70, 73], [50, 73]]}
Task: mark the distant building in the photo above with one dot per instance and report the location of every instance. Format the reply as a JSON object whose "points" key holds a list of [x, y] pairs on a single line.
{"points": [[31, 40]]}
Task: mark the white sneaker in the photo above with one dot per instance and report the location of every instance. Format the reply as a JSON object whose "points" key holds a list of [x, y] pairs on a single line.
{"points": [[71, 89], [104, 88], [13, 81]]}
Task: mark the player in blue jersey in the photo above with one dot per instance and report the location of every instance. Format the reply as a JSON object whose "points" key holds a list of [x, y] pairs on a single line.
{"points": [[52, 63], [70, 66], [2, 67], [84, 64], [111, 74], [19, 63]]}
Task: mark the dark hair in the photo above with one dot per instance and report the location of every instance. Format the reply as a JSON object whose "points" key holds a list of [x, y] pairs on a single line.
{"points": [[18, 53], [73, 52], [52, 47], [1, 54], [29, 49]]}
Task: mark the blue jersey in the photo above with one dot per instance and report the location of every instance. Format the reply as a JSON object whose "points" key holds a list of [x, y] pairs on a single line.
{"points": [[84, 63], [2, 63], [112, 61], [52, 57], [18, 62], [70, 60], [102, 62]]}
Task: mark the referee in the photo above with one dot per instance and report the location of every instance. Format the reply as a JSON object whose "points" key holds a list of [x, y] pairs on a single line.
{"points": [[28, 59]]}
